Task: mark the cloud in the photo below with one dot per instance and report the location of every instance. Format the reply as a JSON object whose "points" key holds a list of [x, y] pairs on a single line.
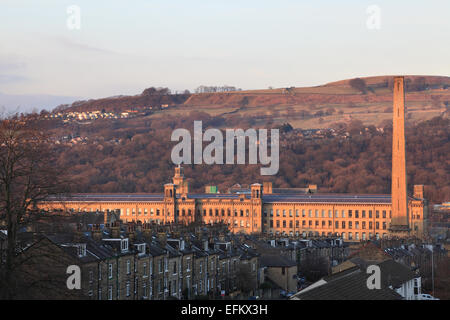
{"points": [[66, 42], [10, 78]]}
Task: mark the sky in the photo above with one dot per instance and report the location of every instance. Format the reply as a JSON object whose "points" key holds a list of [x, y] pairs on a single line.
{"points": [[109, 47]]}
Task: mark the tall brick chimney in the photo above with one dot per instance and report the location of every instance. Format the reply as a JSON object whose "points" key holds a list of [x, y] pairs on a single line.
{"points": [[399, 221], [96, 232], [115, 229]]}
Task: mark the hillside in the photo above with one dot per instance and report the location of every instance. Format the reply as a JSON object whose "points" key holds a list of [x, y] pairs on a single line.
{"points": [[318, 107], [302, 107], [132, 154]]}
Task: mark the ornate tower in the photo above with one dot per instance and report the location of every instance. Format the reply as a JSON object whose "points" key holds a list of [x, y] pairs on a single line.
{"points": [[399, 221], [179, 182]]}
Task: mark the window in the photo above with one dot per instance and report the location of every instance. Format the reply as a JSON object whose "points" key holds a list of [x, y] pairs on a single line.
{"points": [[343, 213], [377, 214], [296, 213], [81, 249], [356, 213], [110, 293], [144, 269], [128, 289], [100, 293], [128, 266], [350, 213], [124, 245], [99, 272], [144, 290], [363, 213], [336, 214], [174, 267], [110, 271], [278, 213], [349, 225]]}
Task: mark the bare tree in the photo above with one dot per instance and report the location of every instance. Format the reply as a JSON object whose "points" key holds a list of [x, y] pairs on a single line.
{"points": [[27, 176]]}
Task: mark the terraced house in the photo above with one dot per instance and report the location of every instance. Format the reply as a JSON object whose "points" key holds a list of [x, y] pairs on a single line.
{"points": [[132, 262]]}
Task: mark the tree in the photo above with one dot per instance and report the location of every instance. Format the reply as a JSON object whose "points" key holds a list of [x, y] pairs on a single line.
{"points": [[245, 280], [27, 177], [359, 84], [313, 268]]}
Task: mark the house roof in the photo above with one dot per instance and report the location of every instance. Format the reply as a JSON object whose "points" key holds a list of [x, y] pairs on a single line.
{"points": [[276, 261], [347, 285]]}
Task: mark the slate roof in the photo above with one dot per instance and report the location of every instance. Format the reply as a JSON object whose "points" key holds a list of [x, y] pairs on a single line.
{"points": [[276, 261], [267, 198], [347, 285], [395, 274]]}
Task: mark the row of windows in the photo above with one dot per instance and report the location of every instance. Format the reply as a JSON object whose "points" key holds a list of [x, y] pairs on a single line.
{"points": [[304, 213], [221, 212], [324, 224], [323, 213], [344, 235]]}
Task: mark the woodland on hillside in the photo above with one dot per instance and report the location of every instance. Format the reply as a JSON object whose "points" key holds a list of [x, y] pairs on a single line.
{"points": [[120, 157]]}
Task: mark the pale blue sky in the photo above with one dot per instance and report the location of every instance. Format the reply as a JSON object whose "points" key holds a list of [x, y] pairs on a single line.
{"points": [[126, 46]]}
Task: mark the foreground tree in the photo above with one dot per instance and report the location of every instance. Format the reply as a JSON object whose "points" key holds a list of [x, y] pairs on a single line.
{"points": [[27, 176]]}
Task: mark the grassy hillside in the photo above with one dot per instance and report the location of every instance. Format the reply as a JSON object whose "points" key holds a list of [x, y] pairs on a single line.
{"points": [[302, 107]]}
